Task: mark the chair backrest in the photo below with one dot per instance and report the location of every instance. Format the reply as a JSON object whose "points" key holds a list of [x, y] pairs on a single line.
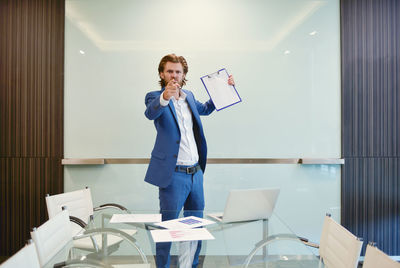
{"points": [[376, 258], [25, 257], [79, 204], [338, 247], [52, 236]]}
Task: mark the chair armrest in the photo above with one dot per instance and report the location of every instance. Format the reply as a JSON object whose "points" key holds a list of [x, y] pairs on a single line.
{"points": [[111, 205], [307, 242], [78, 221]]}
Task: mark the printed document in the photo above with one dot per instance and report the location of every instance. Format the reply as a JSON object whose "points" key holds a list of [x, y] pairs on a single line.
{"points": [[181, 235], [184, 223], [117, 218]]}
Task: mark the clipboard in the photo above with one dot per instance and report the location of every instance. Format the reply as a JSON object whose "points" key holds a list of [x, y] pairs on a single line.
{"points": [[221, 93]]}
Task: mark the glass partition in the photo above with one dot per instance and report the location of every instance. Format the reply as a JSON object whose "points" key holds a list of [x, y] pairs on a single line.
{"points": [[285, 57], [307, 192]]}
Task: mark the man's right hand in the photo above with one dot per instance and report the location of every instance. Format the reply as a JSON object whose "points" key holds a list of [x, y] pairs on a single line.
{"points": [[171, 90]]}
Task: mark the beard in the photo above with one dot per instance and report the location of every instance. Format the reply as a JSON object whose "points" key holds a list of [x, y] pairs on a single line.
{"points": [[165, 82]]}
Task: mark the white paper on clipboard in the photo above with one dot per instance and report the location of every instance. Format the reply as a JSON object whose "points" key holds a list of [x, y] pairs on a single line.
{"points": [[221, 93]]}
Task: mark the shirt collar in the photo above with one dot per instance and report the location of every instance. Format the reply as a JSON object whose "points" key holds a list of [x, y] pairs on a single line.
{"points": [[182, 97]]}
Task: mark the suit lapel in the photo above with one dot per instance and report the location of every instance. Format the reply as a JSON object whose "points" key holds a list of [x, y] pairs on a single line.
{"points": [[172, 108]]}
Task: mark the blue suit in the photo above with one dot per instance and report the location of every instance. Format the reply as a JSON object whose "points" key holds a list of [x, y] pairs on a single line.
{"points": [[165, 152], [176, 189]]}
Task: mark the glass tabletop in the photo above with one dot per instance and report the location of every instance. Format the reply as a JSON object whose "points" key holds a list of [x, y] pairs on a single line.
{"points": [[258, 243]]}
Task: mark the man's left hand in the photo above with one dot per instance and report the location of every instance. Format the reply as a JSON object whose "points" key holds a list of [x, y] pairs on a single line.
{"points": [[231, 81]]}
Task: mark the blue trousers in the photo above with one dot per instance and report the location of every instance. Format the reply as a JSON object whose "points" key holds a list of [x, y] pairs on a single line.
{"points": [[185, 191]]}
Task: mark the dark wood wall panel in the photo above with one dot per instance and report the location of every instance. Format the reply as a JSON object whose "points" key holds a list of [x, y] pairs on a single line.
{"points": [[373, 211], [31, 114], [31, 75], [24, 184], [370, 39], [371, 78]]}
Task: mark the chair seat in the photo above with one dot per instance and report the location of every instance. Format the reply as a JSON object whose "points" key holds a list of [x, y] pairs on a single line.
{"points": [[86, 243]]}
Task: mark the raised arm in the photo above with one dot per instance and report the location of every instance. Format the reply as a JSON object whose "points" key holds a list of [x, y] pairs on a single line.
{"points": [[205, 108], [153, 106]]}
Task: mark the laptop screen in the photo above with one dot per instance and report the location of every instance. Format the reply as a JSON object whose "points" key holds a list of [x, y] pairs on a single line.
{"points": [[250, 204]]}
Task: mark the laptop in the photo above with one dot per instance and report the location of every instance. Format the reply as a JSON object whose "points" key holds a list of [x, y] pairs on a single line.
{"points": [[248, 205]]}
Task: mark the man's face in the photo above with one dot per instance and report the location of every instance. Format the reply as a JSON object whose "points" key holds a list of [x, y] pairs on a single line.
{"points": [[173, 71]]}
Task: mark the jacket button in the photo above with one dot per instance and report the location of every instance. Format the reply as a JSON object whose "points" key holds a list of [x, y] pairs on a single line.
{"points": [[175, 156]]}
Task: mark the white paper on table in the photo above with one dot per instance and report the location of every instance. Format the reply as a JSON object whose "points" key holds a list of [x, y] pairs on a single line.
{"points": [[221, 93], [184, 223], [117, 218], [181, 235]]}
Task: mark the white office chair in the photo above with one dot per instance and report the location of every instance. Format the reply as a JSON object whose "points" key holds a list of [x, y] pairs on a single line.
{"points": [[338, 247], [80, 206], [54, 235], [376, 258], [25, 257]]}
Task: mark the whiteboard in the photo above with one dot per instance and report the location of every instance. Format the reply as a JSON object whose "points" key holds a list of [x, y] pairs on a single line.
{"points": [[284, 55]]}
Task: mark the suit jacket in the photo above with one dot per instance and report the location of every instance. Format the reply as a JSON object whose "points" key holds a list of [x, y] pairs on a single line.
{"points": [[165, 152]]}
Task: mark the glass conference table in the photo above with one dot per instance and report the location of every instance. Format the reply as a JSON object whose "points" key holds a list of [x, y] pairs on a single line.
{"points": [[261, 243]]}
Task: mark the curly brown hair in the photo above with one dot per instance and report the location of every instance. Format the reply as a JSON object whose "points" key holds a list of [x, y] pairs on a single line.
{"points": [[174, 59]]}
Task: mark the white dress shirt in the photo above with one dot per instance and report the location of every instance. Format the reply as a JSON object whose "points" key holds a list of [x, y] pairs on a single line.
{"points": [[187, 154]]}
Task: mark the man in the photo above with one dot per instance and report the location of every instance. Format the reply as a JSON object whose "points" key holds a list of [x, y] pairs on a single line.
{"points": [[178, 159]]}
